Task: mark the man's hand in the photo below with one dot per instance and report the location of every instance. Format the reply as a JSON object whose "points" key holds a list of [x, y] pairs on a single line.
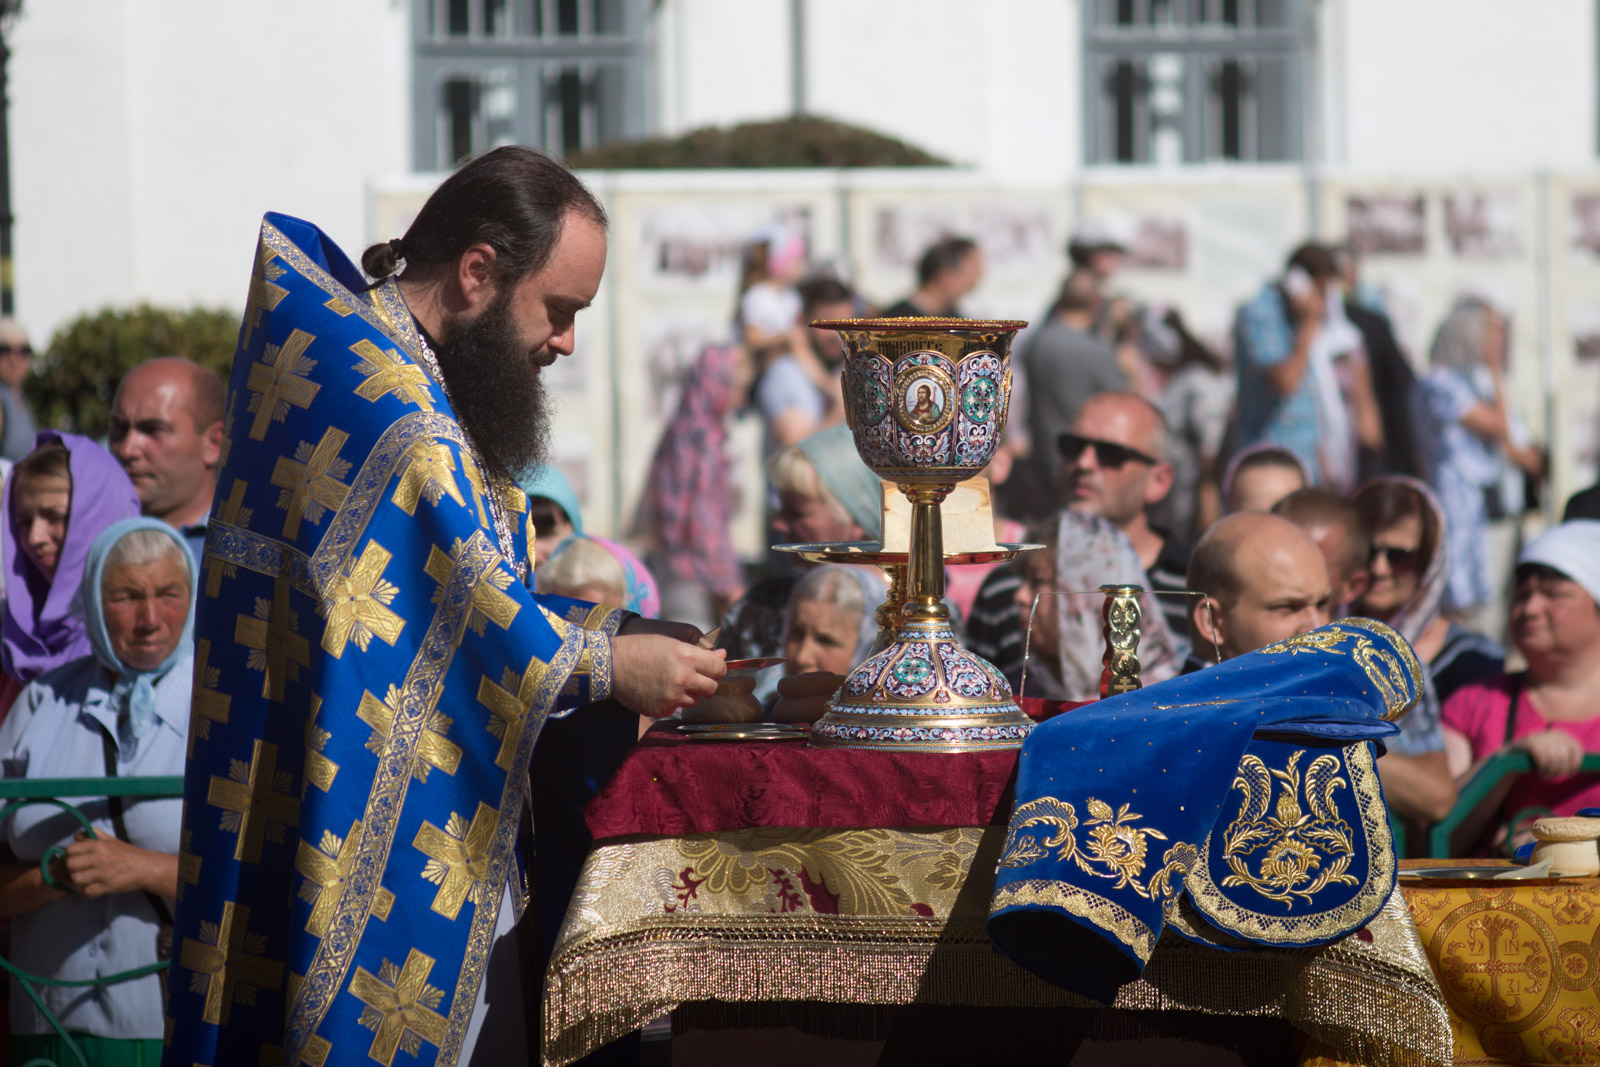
{"points": [[678, 631], [1310, 307], [100, 866], [1556, 753], [656, 675], [804, 697]]}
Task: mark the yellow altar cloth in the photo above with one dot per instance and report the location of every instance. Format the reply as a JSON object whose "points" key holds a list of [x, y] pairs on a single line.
{"points": [[1517, 964], [896, 917]]}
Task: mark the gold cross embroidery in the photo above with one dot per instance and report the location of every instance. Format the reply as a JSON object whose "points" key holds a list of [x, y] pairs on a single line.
{"points": [[434, 748], [311, 481], [429, 472], [279, 380], [317, 1050], [387, 372], [188, 863], [256, 801], [264, 295], [475, 482], [209, 704], [489, 601], [226, 964], [356, 605], [325, 868], [274, 646], [401, 1007], [234, 513], [319, 769], [457, 858], [509, 709]]}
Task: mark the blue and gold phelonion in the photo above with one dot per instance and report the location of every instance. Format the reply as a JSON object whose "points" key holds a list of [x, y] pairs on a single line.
{"points": [[926, 400]]}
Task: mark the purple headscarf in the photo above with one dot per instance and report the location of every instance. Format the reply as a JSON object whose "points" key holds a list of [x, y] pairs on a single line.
{"points": [[39, 631]]}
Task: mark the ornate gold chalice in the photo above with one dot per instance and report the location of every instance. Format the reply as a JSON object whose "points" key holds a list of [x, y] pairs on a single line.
{"points": [[926, 400]]}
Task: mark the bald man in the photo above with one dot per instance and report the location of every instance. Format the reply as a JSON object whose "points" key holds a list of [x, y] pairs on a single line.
{"points": [[1264, 581], [166, 431], [17, 424]]}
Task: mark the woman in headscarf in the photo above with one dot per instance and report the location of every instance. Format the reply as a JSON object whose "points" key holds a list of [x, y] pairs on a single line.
{"points": [[825, 494], [1408, 570], [1474, 448], [1552, 709], [600, 571], [1061, 611], [829, 629], [688, 498], [121, 711], [57, 501], [552, 509]]}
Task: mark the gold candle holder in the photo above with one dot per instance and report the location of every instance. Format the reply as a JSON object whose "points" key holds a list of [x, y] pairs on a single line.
{"points": [[1120, 615]]}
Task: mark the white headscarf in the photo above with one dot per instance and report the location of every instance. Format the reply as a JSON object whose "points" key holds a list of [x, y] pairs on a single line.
{"points": [[1573, 548], [1091, 552]]}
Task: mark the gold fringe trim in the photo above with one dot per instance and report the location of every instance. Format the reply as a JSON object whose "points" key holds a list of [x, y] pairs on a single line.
{"points": [[600, 989]]}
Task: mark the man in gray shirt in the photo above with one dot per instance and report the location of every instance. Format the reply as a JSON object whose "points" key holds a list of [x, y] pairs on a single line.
{"points": [[1064, 365]]}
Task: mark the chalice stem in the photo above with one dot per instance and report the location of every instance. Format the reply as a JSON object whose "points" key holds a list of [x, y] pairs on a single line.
{"points": [[926, 564]]}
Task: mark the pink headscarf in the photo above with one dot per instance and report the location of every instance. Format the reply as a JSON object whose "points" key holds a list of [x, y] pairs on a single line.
{"points": [[39, 630]]}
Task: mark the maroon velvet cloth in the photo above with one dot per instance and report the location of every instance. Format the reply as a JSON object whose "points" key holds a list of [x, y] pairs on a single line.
{"points": [[670, 786]]}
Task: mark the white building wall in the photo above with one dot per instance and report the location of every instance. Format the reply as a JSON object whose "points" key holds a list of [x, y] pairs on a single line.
{"points": [[1465, 85], [149, 136], [992, 86]]}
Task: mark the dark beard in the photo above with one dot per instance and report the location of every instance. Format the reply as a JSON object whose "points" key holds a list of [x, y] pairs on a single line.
{"points": [[496, 391]]}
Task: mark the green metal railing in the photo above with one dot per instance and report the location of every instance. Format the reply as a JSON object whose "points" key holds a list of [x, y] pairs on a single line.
{"points": [[1487, 781], [23, 792]]}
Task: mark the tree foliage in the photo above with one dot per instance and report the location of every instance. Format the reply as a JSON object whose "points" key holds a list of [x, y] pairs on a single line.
{"points": [[804, 141], [72, 385]]}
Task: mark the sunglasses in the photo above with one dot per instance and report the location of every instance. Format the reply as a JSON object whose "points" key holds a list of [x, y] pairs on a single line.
{"points": [[1399, 559], [15, 350], [1106, 453]]}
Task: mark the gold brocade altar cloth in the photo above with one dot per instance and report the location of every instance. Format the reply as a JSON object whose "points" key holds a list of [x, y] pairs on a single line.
{"points": [[896, 917], [1517, 965]]}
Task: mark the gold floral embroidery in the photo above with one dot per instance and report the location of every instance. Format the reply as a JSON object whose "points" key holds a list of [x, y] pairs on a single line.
{"points": [[853, 865], [1114, 847], [1290, 844], [1394, 679]]}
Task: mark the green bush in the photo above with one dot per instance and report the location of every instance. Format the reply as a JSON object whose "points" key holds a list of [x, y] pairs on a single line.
{"points": [[74, 381], [805, 141]]}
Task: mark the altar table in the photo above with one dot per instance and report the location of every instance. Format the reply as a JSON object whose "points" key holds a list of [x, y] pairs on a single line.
{"points": [[744, 876]]}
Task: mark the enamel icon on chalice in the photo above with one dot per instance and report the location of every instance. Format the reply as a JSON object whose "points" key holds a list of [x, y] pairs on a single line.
{"points": [[926, 400]]}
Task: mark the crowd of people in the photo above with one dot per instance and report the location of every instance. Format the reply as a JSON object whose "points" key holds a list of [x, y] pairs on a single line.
{"points": [[1305, 475], [1308, 476]]}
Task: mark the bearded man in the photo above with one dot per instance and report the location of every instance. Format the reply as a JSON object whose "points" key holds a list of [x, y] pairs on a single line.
{"points": [[371, 667]]}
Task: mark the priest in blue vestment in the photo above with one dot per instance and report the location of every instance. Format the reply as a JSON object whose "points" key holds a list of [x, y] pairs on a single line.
{"points": [[371, 667]]}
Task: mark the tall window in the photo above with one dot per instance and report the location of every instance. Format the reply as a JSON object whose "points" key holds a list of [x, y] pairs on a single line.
{"points": [[1190, 81], [561, 74]]}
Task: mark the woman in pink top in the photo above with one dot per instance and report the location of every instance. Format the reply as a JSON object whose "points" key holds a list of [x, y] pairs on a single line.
{"points": [[1551, 710]]}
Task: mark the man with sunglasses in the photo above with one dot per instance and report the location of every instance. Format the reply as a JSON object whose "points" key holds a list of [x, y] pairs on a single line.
{"points": [[1113, 464], [17, 424]]}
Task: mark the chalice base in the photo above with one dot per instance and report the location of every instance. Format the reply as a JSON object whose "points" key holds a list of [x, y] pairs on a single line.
{"points": [[923, 693]]}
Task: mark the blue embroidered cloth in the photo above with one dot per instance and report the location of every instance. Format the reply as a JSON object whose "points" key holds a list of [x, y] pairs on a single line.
{"points": [[371, 672], [1238, 805]]}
